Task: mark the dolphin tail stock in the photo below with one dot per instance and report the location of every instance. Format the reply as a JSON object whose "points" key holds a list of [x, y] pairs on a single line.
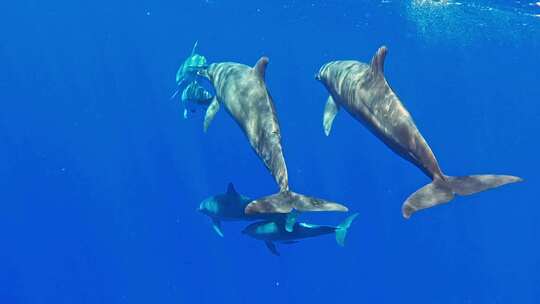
{"points": [[342, 229], [287, 201], [443, 190]]}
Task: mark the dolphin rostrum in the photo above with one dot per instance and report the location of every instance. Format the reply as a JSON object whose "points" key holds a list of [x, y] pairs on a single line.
{"points": [[363, 91], [270, 232], [243, 92]]}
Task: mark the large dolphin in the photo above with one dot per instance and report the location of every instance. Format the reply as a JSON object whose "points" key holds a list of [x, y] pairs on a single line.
{"points": [[229, 206], [243, 92], [363, 91], [270, 232]]}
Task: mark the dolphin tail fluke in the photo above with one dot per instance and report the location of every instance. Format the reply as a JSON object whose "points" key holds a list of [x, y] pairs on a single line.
{"points": [[286, 201], [441, 191], [341, 230]]}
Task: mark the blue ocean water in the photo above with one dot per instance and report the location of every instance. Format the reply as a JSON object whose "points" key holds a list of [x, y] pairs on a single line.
{"points": [[101, 176]]}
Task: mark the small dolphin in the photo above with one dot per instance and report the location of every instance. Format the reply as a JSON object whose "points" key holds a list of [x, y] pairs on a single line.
{"points": [[195, 97], [363, 91], [230, 206], [243, 92], [270, 232], [187, 71]]}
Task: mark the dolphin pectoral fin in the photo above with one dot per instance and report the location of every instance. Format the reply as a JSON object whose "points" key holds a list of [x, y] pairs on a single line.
{"points": [[272, 247], [377, 63], [185, 114], [260, 66], [330, 111], [211, 113], [216, 224], [290, 220]]}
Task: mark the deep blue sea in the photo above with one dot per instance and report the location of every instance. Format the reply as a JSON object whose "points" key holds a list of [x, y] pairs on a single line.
{"points": [[101, 176]]}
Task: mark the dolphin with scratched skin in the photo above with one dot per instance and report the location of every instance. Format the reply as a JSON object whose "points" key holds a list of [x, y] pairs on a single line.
{"points": [[243, 92], [229, 206], [362, 90], [270, 232]]}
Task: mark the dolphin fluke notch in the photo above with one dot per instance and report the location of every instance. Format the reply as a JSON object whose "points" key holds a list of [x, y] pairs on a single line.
{"points": [[286, 201], [443, 190]]}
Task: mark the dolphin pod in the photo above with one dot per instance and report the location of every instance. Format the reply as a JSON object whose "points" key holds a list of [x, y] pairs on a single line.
{"points": [[363, 91], [229, 206], [243, 91]]}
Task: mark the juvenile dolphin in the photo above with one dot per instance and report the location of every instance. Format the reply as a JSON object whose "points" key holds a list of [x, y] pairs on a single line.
{"points": [[230, 206], [243, 92], [363, 91], [270, 232]]}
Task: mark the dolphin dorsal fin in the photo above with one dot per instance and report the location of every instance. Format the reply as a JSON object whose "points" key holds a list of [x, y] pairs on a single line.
{"points": [[377, 63], [231, 190], [260, 66]]}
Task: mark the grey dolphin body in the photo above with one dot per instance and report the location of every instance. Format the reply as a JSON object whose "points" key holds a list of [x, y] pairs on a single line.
{"points": [[229, 206], [363, 91], [270, 232], [243, 92]]}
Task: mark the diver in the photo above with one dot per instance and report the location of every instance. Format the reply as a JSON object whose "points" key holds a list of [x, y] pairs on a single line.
{"points": [[194, 96]]}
